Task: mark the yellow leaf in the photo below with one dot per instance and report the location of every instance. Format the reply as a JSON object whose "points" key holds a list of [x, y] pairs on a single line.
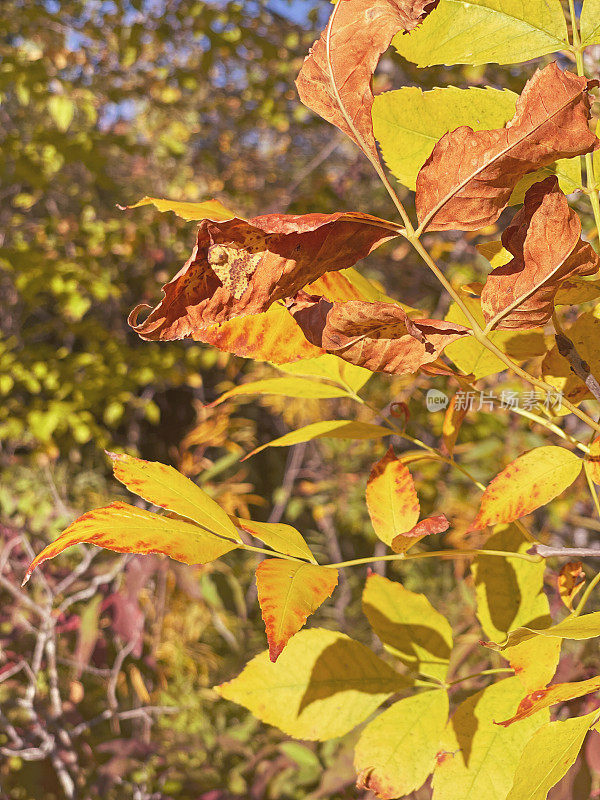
{"points": [[396, 752], [282, 538], [323, 685], [209, 209], [285, 387], [327, 429], [509, 591], [477, 758], [392, 499], [548, 755], [128, 529], [164, 486], [586, 626], [544, 698], [556, 370], [592, 461], [408, 626], [330, 367], [531, 481], [288, 593]]}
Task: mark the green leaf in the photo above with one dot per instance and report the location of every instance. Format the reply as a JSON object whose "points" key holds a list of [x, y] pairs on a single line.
{"points": [[282, 538], [327, 429], [548, 755], [486, 31], [577, 628], [589, 22], [477, 758], [323, 685], [472, 357], [509, 591], [61, 110], [409, 122], [166, 487], [396, 752], [408, 625]]}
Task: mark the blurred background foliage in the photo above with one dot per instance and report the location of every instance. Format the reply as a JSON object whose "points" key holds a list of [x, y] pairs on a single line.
{"points": [[102, 102]]}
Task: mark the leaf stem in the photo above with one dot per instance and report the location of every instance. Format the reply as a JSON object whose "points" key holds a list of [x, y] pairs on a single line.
{"points": [[483, 672], [454, 554], [273, 553]]}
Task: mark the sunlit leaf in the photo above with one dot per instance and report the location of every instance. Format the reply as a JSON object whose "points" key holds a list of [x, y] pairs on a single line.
{"points": [[284, 387], [570, 582], [164, 486], [544, 698], [328, 429], [408, 625], [529, 482], [323, 685], [288, 592], [486, 31], [477, 758], [589, 22], [392, 499], [548, 755], [396, 752], [551, 122], [586, 626], [282, 538], [209, 209], [128, 529]]}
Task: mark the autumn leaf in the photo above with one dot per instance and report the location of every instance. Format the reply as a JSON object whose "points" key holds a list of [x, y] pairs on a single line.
{"points": [[592, 461], [322, 686], [531, 481], [284, 387], [586, 626], [396, 751], [544, 698], [288, 592], [408, 625], [545, 241], [240, 267], [335, 79], [548, 755], [482, 32], [128, 529], [478, 759], [467, 181], [164, 486], [426, 527], [378, 336], [570, 582], [392, 499], [453, 420], [327, 429], [212, 210], [281, 537]]}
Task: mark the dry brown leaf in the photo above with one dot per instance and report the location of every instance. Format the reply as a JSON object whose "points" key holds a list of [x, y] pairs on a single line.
{"points": [[240, 267], [335, 79], [378, 336], [467, 180], [544, 239]]}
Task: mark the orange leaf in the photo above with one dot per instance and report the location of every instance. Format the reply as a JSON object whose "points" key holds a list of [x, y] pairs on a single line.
{"points": [[531, 481], [335, 79], [128, 529], [392, 499], [544, 238], [453, 420], [378, 336], [427, 527], [288, 592], [240, 267], [467, 180], [544, 698], [570, 582]]}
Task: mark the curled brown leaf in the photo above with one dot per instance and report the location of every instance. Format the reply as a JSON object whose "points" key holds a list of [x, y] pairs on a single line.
{"points": [[467, 180], [544, 239], [335, 79], [378, 336]]}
